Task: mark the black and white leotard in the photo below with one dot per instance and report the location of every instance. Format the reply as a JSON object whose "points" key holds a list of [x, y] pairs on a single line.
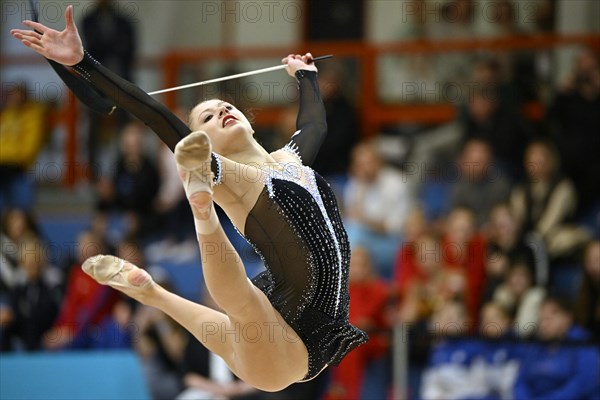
{"points": [[295, 225]]}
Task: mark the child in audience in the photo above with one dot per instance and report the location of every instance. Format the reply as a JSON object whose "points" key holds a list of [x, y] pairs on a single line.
{"points": [[520, 294], [463, 251]]}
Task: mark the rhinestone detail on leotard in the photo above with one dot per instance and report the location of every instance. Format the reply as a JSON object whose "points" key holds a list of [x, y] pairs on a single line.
{"points": [[297, 209], [290, 174]]}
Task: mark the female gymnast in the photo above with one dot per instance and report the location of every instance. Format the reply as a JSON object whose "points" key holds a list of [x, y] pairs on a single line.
{"points": [[291, 321]]}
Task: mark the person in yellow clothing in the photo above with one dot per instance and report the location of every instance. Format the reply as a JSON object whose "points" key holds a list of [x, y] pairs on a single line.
{"points": [[23, 128]]}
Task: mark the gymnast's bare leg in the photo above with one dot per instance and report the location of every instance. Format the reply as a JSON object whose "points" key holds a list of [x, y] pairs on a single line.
{"points": [[250, 335], [265, 343]]}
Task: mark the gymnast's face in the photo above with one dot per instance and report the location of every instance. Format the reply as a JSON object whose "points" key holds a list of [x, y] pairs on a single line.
{"points": [[227, 127]]}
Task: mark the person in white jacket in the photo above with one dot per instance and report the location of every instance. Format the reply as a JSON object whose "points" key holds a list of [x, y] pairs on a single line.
{"points": [[377, 201]]}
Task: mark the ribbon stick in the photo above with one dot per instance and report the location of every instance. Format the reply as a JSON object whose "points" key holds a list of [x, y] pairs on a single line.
{"points": [[236, 76]]}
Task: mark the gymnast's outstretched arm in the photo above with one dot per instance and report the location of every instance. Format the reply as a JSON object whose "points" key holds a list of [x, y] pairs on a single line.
{"points": [[311, 122], [65, 48], [131, 98]]}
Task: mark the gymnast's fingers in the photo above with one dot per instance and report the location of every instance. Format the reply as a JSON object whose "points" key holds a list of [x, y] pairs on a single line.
{"points": [[34, 46], [28, 34], [37, 26], [286, 59], [69, 18], [34, 41], [20, 32], [20, 35]]}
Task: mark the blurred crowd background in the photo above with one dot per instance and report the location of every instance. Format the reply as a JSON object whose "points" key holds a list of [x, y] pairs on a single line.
{"points": [[475, 235]]}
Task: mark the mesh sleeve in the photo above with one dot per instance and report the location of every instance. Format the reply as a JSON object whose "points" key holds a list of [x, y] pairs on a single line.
{"points": [[311, 123], [134, 100]]}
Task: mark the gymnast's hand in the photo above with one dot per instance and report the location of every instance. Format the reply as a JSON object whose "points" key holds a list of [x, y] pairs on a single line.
{"points": [[63, 47], [294, 62]]}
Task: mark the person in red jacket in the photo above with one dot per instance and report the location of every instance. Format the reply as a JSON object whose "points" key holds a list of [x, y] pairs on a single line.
{"points": [[463, 250], [86, 303], [423, 281]]}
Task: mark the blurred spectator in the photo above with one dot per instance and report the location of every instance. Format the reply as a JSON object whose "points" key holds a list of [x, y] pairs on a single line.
{"points": [[496, 269], [419, 276], [519, 293], [547, 201], [588, 301], [176, 219], [116, 330], [495, 321], [110, 36], [463, 253], [413, 270], [35, 299], [495, 369], [206, 375], [426, 284], [500, 124], [507, 247], [492, 112], [16, 225], [575, 118], [284, 128], [492, 78], [504, 236], [563, 368], [377, 201], [489, 114], [448, 375], [489, 78], [480, 185], [134, 186], [333, 159], [437, 179], [160, 343], [160, 346], [23, 129], [364, 372], [106, 230], [415, 225], [86, 303], [171, 202]]}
